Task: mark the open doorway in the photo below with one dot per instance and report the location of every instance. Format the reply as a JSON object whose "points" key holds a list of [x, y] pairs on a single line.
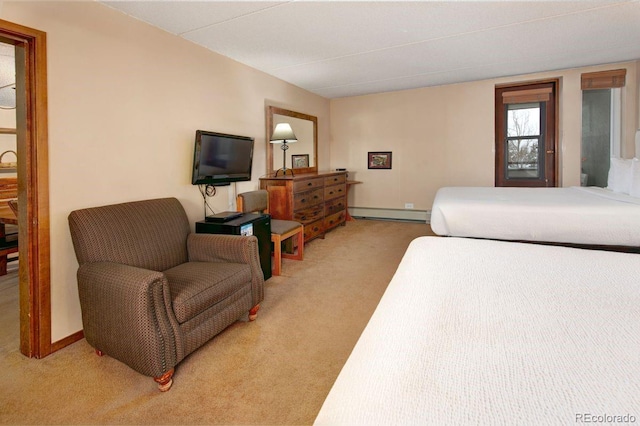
{"points": [[33, 186], [9, 289]]}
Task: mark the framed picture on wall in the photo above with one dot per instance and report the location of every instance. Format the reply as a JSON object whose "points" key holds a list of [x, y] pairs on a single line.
{"points": [[300, 161], [379, 160]]}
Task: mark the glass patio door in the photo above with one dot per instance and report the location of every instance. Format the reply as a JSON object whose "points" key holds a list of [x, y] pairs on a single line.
{"points": [[601, 126], [525, 136]]}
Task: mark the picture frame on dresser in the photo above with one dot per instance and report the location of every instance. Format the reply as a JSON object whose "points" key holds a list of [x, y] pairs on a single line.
{"points": [[299, 161], [379, 160]]}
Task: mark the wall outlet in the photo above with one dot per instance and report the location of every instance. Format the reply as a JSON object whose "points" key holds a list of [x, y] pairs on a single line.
{"points": [[408, 205]]}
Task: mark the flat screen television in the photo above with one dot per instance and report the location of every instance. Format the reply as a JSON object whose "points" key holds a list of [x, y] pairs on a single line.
{"points": [[219, 159]]}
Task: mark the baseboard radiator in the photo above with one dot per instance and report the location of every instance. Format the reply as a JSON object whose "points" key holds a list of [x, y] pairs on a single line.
{"points": [[391, 214]]}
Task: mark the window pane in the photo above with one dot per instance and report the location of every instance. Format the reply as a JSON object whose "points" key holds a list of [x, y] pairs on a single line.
{"points": [[523, 119], [523, 158]]}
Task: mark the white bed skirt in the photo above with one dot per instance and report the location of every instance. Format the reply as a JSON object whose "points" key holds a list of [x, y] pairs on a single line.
{"points": [[489, 332]]}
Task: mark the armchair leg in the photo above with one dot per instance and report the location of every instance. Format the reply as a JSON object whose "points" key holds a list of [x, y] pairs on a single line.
{"points": [[165, 381], [253, 313]]}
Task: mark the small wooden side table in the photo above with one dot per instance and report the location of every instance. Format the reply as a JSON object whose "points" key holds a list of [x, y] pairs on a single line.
{"points": [[350, 183]]}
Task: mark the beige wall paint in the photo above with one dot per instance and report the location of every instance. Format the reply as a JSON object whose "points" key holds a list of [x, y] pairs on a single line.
{"points": [[637, 117], [7, 141], [125, 100], [444, 136], [7, 121]]}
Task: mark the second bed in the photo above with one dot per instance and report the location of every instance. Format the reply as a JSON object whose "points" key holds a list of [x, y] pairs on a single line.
{"points": [[573, 215]]}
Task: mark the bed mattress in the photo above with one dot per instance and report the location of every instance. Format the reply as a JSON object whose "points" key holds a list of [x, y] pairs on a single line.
{"points": [[490, 332], [574, 215]]}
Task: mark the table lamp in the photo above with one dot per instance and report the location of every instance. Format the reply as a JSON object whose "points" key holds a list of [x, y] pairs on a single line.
{"points": [[283, 133]]}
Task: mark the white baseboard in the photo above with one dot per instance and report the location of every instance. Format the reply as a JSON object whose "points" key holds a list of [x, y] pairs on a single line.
{"points": [[397, 214]]}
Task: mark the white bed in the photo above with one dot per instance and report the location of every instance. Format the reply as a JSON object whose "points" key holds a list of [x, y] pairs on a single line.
{"points": [[574, 215], [490, 332]]}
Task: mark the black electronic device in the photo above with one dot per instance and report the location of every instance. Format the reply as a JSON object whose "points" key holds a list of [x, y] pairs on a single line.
{"points": [[222, 217], [219, 159], [255, 224]]}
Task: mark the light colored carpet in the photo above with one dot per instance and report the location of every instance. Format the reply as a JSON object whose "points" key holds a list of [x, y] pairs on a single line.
{"points": [[9, 312], [276, 370]]}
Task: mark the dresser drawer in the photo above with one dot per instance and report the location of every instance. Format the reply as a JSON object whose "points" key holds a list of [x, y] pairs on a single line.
{"points": [[317, 200], [334, 206], [303, 185], [333, 180], [335, 191], [313, 230], [309, 215], [334, 220], [307, 199]]}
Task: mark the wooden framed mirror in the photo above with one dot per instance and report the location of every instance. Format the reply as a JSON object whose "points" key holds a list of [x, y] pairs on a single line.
{"points": [[305, 127]]}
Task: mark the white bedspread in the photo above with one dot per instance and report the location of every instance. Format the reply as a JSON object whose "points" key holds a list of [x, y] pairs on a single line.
{"points": [[574, 215], [490, 332]]}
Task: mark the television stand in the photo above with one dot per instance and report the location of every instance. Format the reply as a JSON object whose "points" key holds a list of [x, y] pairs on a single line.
{"points": [[223, 217]]}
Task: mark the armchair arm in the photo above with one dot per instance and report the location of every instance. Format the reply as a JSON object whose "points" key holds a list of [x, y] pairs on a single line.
{"points": [[221, 248], [127, 314], [229, 248]]}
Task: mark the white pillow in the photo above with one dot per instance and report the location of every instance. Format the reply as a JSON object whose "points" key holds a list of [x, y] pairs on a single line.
{"points": [[619, 175], [634, 190]]}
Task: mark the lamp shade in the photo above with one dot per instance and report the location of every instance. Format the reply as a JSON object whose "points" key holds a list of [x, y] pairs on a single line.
{"points": [[283, 133]]}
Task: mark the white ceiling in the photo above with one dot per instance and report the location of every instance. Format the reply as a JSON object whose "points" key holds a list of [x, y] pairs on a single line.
{"points": [[339, 48]]}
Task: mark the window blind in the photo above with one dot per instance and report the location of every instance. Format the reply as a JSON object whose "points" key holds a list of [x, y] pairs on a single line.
{"points": [[525, 96], [603, 79]]}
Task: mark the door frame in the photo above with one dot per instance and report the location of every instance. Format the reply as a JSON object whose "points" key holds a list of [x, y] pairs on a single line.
{"points": [[552, 152], [33, 187]]}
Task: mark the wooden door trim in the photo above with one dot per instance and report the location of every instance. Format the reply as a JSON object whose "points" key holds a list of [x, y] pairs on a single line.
{"points": [[556, 113], [33, 188]]}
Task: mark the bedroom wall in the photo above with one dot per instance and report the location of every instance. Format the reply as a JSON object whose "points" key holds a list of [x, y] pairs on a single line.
{"points": [[125, 100], [637, 147], [444, 136], [7, 140]]}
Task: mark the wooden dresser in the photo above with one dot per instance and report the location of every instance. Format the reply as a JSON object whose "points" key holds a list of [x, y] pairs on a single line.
{"points": [[317, 200]]}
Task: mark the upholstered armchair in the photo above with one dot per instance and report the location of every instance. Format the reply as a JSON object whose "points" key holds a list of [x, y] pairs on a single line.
{"points": [[151, 292]]}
